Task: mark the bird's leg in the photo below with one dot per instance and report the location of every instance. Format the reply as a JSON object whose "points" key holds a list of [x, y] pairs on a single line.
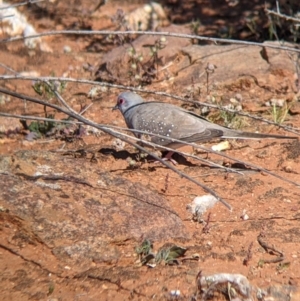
{"points": [[168, 157]]}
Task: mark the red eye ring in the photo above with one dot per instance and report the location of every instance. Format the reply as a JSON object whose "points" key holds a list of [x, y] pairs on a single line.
{"points": [[121, 101]]}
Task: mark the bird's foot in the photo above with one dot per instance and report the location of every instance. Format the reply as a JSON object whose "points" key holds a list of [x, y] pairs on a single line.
{"points": [[168, 157]]}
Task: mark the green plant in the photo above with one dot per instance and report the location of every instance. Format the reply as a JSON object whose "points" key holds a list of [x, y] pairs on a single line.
{"points": [[168, 254], [42, 127], [229, 119], [195, 25], [135, 64], [38, 129], [141, 71], [46, 90], [279, 113], [50, 289]]}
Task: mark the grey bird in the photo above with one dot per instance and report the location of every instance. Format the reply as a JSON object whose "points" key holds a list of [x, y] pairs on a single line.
{"points": [[175, 123]]}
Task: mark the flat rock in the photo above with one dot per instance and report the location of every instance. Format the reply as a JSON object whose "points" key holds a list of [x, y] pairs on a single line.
{"points": [[116, 66], [230, 64], [74, 214]]}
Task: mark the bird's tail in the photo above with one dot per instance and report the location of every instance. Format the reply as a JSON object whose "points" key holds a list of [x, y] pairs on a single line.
{"points": [[248, 135]]}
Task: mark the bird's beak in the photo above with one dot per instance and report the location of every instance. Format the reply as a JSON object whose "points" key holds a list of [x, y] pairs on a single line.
{"points": [[116, 107]]}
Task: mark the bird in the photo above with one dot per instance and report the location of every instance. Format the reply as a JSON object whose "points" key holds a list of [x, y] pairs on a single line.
{"points": [[173, 122]]}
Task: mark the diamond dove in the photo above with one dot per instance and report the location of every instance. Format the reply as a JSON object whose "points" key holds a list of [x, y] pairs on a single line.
{"points": [[175, 123]]}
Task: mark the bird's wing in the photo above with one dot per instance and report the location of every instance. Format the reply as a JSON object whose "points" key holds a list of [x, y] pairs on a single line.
{"points": [[172, 122], [193, 128]]}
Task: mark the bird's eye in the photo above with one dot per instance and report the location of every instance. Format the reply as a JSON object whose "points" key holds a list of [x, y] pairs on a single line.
{"points": [[121, 101]]}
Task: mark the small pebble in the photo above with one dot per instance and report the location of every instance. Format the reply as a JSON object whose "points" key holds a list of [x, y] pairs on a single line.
{"points": [[67, 49], [175, 293]]}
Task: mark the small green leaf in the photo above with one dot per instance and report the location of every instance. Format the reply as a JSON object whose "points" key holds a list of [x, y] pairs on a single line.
{"points": [[50, 289], [175, 252], [162, 255], [38, 88], [283, 266], [34, 127], [169, 254], [145, 248], [261, 263]]}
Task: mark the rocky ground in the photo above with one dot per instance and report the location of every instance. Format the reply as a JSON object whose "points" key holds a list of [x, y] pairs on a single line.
{"points": [[78, 209]]}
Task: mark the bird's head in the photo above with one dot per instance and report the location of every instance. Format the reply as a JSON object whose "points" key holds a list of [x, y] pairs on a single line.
{"points": [[126, 100]]}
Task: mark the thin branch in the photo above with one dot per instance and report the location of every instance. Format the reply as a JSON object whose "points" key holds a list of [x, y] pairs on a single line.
{"points": [[148, 143], [120, 136], [106, 129], [21, 4], [38, 118], [153, 33], [279, 15], [7, 16], [8, 68], [105, 84], [62, 101]]}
